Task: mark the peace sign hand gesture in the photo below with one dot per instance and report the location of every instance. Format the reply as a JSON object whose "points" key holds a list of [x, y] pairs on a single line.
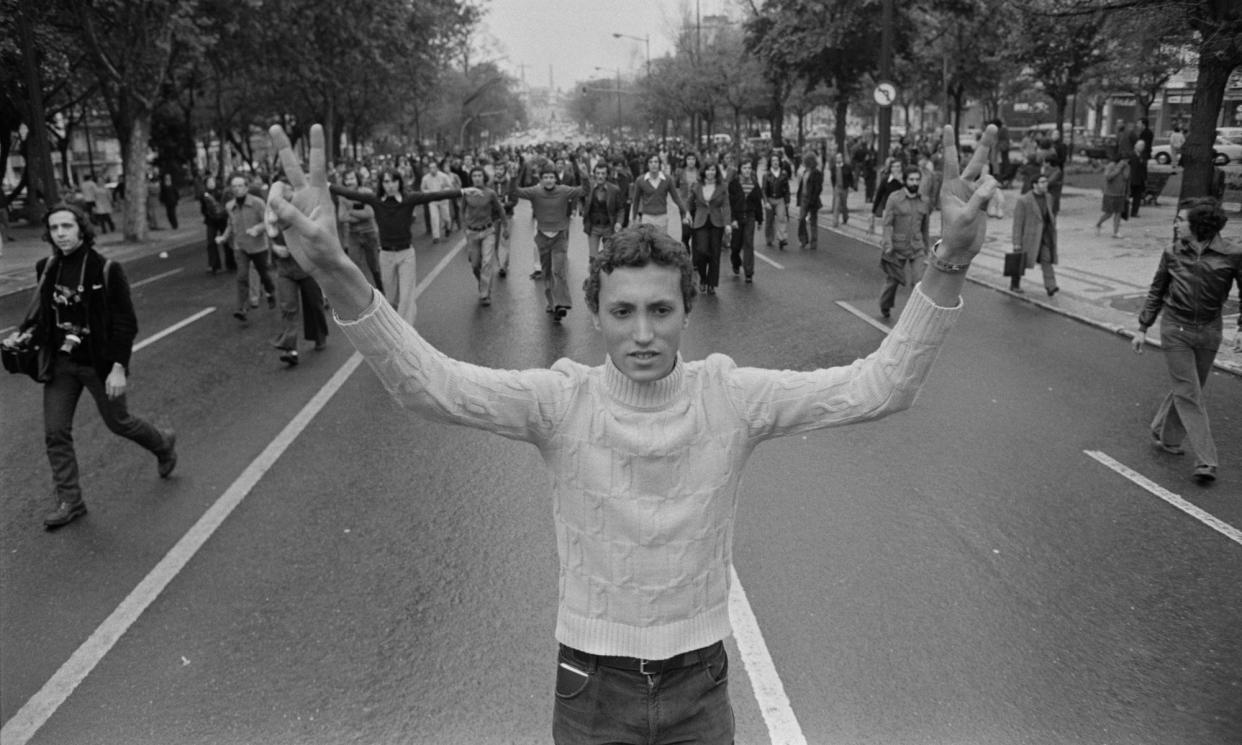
{"points": [[964, 198]]}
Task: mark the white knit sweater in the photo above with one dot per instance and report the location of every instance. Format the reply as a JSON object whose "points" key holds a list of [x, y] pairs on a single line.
{"points": [[645, 475]]}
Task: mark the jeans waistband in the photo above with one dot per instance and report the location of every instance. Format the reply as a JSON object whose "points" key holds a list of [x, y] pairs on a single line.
{"points": [[646, 667]]}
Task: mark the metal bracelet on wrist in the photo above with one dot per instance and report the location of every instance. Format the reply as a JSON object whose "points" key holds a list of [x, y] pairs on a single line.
{"points": [[943, 265]]}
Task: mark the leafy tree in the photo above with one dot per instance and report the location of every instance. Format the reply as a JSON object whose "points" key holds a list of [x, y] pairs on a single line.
{"points": [[1059, 51], [1145, 50]]}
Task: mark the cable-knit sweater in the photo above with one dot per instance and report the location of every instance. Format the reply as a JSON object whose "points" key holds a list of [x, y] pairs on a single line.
{"points": [[645, 476]]}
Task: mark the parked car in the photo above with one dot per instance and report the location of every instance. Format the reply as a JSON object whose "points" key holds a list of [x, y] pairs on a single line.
{"points": [[1224, 152], [1096, 147]]}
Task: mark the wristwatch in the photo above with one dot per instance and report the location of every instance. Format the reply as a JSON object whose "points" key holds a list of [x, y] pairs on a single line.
{"points": [[943, 265]]}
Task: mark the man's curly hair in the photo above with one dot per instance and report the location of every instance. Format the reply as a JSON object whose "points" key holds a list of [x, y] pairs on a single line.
{"points": [[1204, 216], [637, 246]]}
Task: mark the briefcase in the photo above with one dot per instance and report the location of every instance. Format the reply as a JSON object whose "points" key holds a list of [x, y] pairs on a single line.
{"points": [[1015, 264]]}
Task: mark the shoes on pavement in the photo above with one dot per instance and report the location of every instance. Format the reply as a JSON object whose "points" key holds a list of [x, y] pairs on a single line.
{"points": [[561, 311], [254, 303], [290, 357], [1166, 447], [537, 274], [503, 273], [1017, 290], [239, 315], [1053, 291], [782, 245], [1205, 474], [65, 513], [485, 301], [750, 280], [887, 315], [320, 346], [167, 458]]}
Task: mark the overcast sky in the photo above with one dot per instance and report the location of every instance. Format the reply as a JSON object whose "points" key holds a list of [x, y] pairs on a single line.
{"points": [[575, 36]]}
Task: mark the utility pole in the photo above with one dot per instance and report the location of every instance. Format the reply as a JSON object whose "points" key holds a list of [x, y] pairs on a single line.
{"points": [[886, 71]]}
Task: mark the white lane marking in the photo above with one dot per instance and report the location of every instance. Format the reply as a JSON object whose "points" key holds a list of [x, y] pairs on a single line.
{"points": [[783, 727], [152, 278], [448, 257], [173, 328], [23, 725], [7, 329], [765, 258], [1206, 518], [864, 316]]}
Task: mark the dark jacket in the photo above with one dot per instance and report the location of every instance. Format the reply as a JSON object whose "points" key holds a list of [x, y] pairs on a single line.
{"points": [[808, 193], [716, 209], [776, 186], [614, 202], [109, 311], [1192, 286], [745, 206]]}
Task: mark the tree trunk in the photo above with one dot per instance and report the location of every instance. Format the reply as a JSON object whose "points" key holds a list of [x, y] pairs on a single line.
{"points": [[41, 186], [842, 111], [1199, 172], [134, 156]]}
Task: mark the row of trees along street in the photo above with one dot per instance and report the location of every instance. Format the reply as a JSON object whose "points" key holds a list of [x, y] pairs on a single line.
{"points": [[787, 57], [174, 75]]}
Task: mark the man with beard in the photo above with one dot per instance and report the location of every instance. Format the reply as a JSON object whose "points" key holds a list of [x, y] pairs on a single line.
{"points": [[905, 236]]}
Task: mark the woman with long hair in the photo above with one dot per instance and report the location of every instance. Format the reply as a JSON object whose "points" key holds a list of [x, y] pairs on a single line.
{"points": [[713, 218]]}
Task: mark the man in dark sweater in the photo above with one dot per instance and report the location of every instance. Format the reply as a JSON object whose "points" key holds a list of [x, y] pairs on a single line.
{"points": [[394, 211]]}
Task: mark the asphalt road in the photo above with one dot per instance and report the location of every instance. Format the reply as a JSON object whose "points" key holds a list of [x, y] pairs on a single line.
{"points": [[964, 572]]}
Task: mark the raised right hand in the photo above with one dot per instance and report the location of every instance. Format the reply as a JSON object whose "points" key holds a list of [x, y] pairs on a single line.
{"points": [[307, 217]]}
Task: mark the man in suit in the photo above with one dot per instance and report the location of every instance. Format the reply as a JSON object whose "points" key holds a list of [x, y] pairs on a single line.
{"points": [[809, 188], [1035, 234], [601, 208]]}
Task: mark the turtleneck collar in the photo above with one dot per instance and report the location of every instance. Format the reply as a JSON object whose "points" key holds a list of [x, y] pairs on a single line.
{"points": [[652, 395]]}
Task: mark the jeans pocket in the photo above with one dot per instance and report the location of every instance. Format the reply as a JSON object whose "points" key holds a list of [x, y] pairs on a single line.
{"points": [[570, 680], [717, 668]]}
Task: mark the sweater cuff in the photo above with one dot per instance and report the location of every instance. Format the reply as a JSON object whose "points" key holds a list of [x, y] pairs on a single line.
{"points": [[932, 321]]}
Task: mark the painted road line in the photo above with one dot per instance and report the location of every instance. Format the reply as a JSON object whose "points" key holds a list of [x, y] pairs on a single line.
{"points": [[27, 721], [1206, 518], [153, 278], [765, 258], [879, 325], [778, 715], [173, 328], [7, 329], [448, 257]]}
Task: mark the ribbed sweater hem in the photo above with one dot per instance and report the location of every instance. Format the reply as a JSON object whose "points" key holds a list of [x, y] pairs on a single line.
{"points": [[598, 636]]}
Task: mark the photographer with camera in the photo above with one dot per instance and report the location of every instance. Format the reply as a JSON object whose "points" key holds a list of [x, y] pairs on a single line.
{"points": [[83, 311]]}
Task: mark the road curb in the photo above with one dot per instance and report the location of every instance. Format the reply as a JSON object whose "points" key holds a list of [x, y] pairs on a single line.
{"points": [[867, 237]]}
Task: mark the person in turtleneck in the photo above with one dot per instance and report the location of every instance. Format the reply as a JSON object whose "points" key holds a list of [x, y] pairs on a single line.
{"points": [[85, 314], [746, 204], [905, 237]]}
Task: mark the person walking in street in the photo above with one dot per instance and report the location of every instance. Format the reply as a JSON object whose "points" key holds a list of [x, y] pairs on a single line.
{"points": [[361, 231], [248, 240], [82, 309], [436, 181], [483, 215], [904, 243], [549, 202], [1116, 193], [776, 203], [1192, 282], [842, 185], [1177, 141], [746, 205], [394, 213], [505, 185], [1035, 234], [652, 191], [601, 209], [712, 214], [153, 201], [810, 185], [686, 177], [1138, 176], [216, 221], [169, 197], [643, 604], [299, 298], [102, 211]]}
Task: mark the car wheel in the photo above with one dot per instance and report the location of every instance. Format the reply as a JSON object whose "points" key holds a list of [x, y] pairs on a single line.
{"points": [[1162, 158]]}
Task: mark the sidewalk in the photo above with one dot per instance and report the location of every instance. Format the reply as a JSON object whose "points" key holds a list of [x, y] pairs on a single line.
{"points": [[1103, 280]]}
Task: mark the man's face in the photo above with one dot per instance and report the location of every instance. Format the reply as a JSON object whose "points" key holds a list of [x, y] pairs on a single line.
{"points": [[641, 316], [548, 180], [66, 234], [1040, 186], [350, 179], [389, 184], [238, 185], [477, 178], [912, 182], [747, 170], [653, 165], [600, 173]]}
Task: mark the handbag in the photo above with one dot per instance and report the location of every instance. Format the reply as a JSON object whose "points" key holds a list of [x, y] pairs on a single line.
{"points": [[1015, 264], [23, 357]]}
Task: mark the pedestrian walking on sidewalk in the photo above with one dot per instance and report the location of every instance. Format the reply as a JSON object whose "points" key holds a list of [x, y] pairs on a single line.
{"points": [[810, 185], [1116, 193], [646, 450], [1035, 234], [1138, 176], [904, 244], [82, 309], [776, 202], [1191, 285], [169, 197], [842, 185]]}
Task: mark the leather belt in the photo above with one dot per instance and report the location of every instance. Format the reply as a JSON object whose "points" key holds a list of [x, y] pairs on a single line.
{"points": [[646, 667], [394, 248]]}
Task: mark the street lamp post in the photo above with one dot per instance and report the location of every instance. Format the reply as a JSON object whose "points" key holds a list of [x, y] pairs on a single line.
{"points": [[645, 39], [618, 126]]}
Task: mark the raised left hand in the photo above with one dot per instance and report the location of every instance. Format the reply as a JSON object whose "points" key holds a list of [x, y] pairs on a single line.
{"points": [[964, 197]]}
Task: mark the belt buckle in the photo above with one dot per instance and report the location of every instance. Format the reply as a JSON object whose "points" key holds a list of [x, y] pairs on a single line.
{"points": [[642, 667]]}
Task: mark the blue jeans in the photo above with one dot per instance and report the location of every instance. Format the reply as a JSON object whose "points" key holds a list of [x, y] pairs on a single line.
{"points": [[1188, 353], [600, 704], [60, 401]]}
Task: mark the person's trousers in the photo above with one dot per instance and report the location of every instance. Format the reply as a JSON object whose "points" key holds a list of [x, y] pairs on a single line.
{"points": [[808, 227], [501, 240], [840, 206], [60, 401], [364, 248], [554, 261], [1188, 353], [660, 220], [300, 299], [775, 221], [742, 246], [213, 251], [481, 252], [398, 275], [441, 219], [1049, 274], [595, 236], [706, 258], [244, 261], [898, 271], [104, 220], [606, 700], [1137, 191], [170, 210]]}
